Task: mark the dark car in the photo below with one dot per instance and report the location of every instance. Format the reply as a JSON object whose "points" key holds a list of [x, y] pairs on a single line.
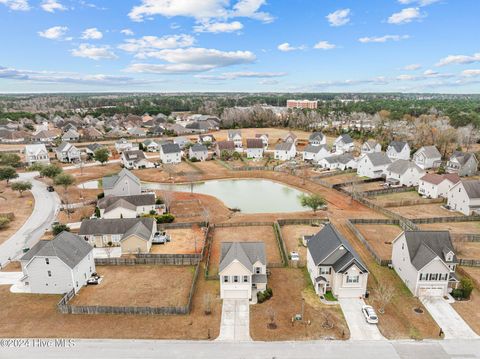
{"points": [[50, 189]]}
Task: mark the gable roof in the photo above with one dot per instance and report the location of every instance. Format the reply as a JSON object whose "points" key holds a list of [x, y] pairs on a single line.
{"points": [[34, 150], [314, 149], [94, 146], [462, 157], [329, 248], [316, 136], [370, 144], [425, 246], [379, 158], [68, 247], [171, 148], [232, 133], [397, 145], [430, 152], [254, 143], [472, 188], [122, 226], [65, 146], [284, 146], [436, 179], [109, 182], [401, 166], [135, 155], [345, 138], [247, 253], [226, 145], [199, 148], [144, 199]]}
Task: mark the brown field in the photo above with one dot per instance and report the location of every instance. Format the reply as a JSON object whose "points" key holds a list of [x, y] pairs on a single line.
{"points": [[292, 236], [369, 186], [472, 272], [140, 285], [424, 211], [182, 241], [186, 208], [244, 234], [453, 227], [286, 302], [12, 267], [468, 310], [341, 178], [39, 318], [77, 215], [468, 250], [399, 196], [95, 172], [377, 235], [22, 207]]}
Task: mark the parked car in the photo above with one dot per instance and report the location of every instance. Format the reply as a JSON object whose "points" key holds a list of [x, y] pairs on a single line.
{"points": [[160, 238], [294, 256], [369, 314], [92, 281], [50, 189]]}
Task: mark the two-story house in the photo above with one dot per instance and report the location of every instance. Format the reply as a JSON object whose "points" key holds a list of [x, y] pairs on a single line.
{"points": [[36, 154], [433, 185], [124, 183], [398, 150], [255, 148], [464, 197], [198, 151], [71, 136], [370, 146], [427, 157], [290, 137], [334, 266], [264, 137], [285, 151], [225, 147], [124, 145], [462, 163], [404, 173], [236, 137], [170, 153], [135, 160], [343, 143], [315, 153], [425, 261], [317, 139], [150, 145], [373, 165], [67, 152], [127, 206], [242, 270], [57, 266]]}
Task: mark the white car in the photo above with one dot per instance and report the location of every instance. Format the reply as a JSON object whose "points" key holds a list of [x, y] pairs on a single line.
{"points": [[294, 256], [369, 314]]}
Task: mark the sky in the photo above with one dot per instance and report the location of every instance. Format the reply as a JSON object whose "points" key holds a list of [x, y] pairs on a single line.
{"points": [[240, 46]]}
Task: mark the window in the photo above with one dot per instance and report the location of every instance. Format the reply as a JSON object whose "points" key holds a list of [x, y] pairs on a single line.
{"points": [[47, 261], [49, 273], [116, 237], [258, 270], [225, 279], [325, 270], [235, 279], [353, 279], [245, 279]]}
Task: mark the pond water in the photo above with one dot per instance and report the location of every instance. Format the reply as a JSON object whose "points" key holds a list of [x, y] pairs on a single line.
{"points": [[248, 195]]}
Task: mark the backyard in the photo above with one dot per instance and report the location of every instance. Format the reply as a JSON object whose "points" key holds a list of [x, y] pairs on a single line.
{"points": [[182, 241], [380, 236], [292, 236], [424, 211]]}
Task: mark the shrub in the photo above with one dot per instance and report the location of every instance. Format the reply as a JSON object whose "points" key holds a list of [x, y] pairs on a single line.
{"points": [[59, 228], [467, 287], [4, 221], [194, 159], [457, 293], [165, 218], [159, 201], [97, 212], [265, 295], [152, 211]]}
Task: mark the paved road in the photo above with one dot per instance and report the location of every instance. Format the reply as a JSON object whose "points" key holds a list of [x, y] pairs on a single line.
{"points": [[359, 328], [144, 349], [44, 213], [235, 323], [448, 319]]}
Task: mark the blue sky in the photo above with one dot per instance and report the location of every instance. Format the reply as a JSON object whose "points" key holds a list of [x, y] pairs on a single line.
{"points": [[240, 45]]}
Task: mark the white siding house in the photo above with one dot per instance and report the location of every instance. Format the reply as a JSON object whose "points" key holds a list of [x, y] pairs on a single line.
{"points": [[373, 165], [285, 151], [315, 153], [36, 153], [462, 163], [398, 150], [317, 139], [170, 153], [371, 146], [124, 183], [255, 148], [127, 206], [198, 151], [404, 173], [465, 197], [427, 157], [135, 160], [425, 261], [236, 137], [433, 185], [343, 143], [57, 266]]}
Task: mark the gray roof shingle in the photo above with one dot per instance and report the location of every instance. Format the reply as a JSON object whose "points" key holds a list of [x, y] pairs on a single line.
{"points": [[144, 199], [247, 253], [379, 158], [171, 148], [402, 166], [398, 145], [109, 182], [122, 226]]}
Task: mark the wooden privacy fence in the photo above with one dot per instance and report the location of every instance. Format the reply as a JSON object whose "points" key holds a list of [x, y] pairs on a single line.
{"points": [[379, 192], [378, 259], [469, 262], [281, 244], [174, 260], [242, 224], [254, 168], [412, 202], [181, 225], [465, 237], [327, 174], [103, 309], [300, 221], [446, 219]]}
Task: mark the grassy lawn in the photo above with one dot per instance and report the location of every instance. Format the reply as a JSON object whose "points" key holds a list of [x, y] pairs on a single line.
{"points": [[329, 296]]}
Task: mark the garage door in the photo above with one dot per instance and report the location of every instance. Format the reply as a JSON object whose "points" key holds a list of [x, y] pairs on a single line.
{"points": [[430, 291], [235, 294]]}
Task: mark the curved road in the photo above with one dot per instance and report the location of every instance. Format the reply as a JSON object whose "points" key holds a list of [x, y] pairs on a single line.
{"points": [[46, 209]]}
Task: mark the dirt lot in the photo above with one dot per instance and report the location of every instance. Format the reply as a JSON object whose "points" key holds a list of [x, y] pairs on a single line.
{"points": [[22, 207], [292, 236], [469, 310], [40, 318], [141, 285], [342, 178], [77, 215], [243, 234], [468, 250], [398, 197], [453, 227], [378, 235], [182, 241], [369, 186], [424, 211], [286, 302]]}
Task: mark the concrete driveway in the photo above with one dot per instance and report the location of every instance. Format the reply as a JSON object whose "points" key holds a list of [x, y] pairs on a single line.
{"points": [[235, 323], [9, 278], [44, 213], [447, 318], [359, 328]]}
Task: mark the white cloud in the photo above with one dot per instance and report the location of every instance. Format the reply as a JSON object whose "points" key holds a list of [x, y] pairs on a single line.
{"points": [[93, 52], [192, 60], [66, 77], [471, 73], [54, 33], [147, 44], [405, 16], [324, 45], [269, 82], [412, 67], [459, 59], [286, 47], [52, 6], [384, 38], [127, 32], [241, 74], [339, 18], [16, 5], [92, 34], [200, 10], [418, 2], [217, 27]]}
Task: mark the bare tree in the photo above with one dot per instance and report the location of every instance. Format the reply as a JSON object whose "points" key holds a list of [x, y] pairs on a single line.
{"points": [[271, 318], [167, 197], [385, 293], [207, 303], [328, 322]]}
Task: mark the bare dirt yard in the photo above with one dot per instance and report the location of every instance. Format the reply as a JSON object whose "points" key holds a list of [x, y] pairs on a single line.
{"points": [[243, 234], [455, 228], [76, 215], [468, 310], [368, 186], [95, 172], [320, 320], [140, 285], [21, 207], [183, 241], [39, 318], [424, 211], [342, 178], [380, 236], [391, 199], [292, 236], [467, 250]]}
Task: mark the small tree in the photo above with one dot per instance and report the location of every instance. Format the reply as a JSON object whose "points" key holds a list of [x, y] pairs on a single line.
{"points": [[4, 221], [7, 173], [21, 186], [101, 155], [65, 180], [271, 318], [467, 287], [207, 303], [385, 294], [37, 166], [59, 228], [50, 171], [9, 159], [313, 201]]}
